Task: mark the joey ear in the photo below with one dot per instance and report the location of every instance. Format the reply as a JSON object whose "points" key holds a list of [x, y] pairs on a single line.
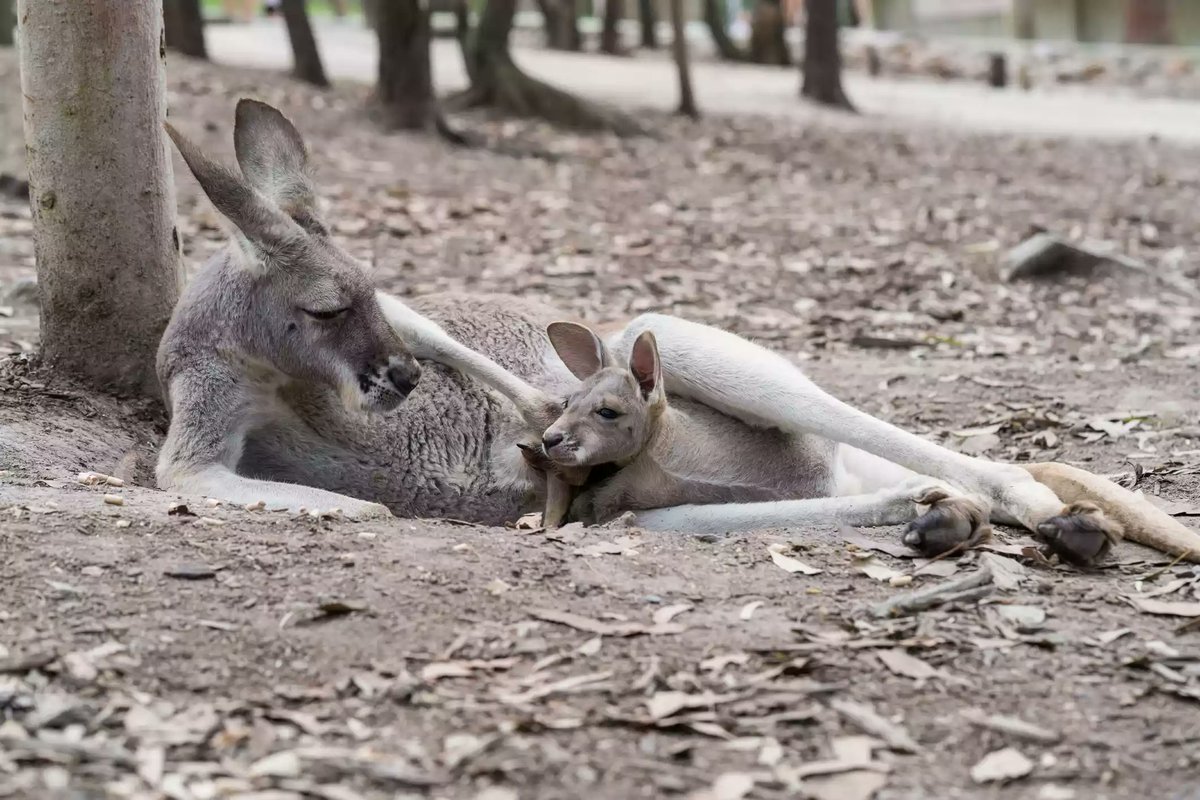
{"points": [[579, 348], [645, 364], [263, 229], [274, 160]]}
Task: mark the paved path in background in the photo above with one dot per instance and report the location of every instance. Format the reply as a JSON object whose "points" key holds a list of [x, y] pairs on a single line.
{"points": [[648, 80]]}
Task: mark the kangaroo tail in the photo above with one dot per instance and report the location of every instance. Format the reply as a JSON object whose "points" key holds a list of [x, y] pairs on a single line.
{"points": [[1144, 522]]}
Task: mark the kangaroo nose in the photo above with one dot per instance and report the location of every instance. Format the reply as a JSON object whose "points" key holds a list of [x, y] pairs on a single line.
{"points": [[551, 440], [404, 376]]}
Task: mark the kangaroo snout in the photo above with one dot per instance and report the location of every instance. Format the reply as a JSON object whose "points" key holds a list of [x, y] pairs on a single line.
{"points": [[551, 440], [403, 374], [384, 387]]}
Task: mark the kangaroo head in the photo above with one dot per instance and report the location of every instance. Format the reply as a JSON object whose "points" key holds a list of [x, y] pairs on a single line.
{"points": [[312, 313], [613, 413]]}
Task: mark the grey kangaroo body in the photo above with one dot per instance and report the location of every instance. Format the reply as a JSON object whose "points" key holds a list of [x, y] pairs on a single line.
{"points": [[280, 363], [448, 451]]}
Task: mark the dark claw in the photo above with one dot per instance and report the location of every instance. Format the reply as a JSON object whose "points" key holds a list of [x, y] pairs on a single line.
{"points": [[951, 523], [1081, 535]]}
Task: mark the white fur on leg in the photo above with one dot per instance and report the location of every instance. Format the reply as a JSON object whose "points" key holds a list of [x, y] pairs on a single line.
{"points": [[858, 472], [894, 506], [223, 484]]}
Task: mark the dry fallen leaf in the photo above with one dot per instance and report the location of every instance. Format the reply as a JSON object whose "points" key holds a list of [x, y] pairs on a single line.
{"points": [[872, 723], [530, 522], [789, 563], [878, 571], [437, 670], [719, 663], [1007, 574], [590, 647], [866, 543], [668, 613], [1012, 726], [1001, 765], [601, 628], [587, 682], [906, 665], [284, 764], [1166, 607], [748, 610], [497, 587], [1024, 617], [666, 704]]}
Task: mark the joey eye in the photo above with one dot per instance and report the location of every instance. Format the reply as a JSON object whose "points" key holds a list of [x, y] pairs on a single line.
{"points": [[607, 413], [566, 402], [326, 316]]}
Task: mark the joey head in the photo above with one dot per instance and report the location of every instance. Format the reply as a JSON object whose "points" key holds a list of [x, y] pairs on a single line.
{"points": [[613, 414]]}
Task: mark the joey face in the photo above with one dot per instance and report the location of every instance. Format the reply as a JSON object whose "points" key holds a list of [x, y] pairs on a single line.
{"points": [[612, 415], [313, 315], [606, 420]]}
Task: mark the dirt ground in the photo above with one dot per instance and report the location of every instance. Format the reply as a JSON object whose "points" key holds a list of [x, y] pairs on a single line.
{"points": [[219, 652]]}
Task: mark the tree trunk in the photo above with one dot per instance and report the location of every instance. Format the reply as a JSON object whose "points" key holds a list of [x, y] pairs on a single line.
{"points": [[610, 34], [714, 16], [93, 81], [823, 56], [304, 45], [497, 82], [370, 12], [679, 49], [404, 95], [183, 22], [1024, 19], [561, 24], [648, 16], [8, 21], [462, 20], [997, 70], [1148, 22], [768, 44]]}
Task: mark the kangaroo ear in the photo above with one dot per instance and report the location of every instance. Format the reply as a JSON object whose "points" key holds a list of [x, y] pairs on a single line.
{"points": [[262, 228], [274, 160], [579, 348], [645, 364]]}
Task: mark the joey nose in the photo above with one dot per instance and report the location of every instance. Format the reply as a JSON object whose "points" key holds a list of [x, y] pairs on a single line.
{"points": [[403, 375], [551, 440]]}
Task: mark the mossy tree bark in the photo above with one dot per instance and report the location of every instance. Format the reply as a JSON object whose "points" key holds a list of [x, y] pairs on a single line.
{"points": [[497, 82], [93, 82], [823, 56], [305, 56]]}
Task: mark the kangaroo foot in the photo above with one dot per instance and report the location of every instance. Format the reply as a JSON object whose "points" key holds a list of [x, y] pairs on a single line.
{"points": [[952, 524], [1081, 535]]}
